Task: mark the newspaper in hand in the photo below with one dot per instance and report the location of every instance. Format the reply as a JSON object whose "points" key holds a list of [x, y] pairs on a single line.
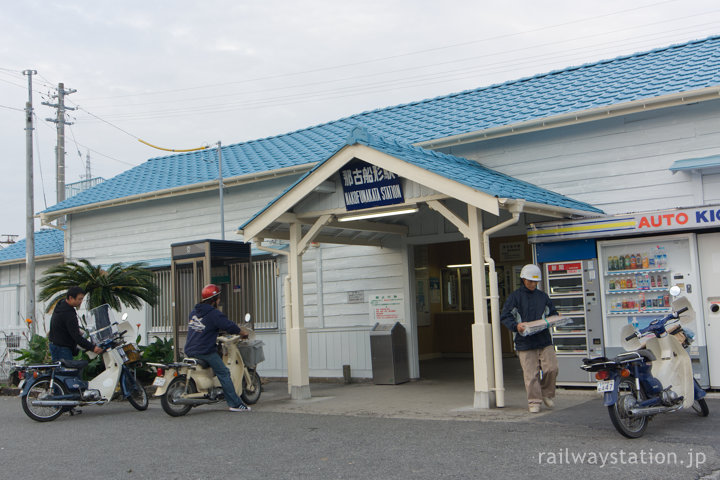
{"points": [[536, 326]]}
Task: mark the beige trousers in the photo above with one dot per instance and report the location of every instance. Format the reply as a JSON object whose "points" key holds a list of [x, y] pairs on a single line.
{"points": [[533, 362]]}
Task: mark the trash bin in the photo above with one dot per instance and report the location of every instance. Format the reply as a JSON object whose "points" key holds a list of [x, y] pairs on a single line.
{"points": [[388, 349]]}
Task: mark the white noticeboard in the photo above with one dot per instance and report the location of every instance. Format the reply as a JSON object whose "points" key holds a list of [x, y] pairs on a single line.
{"points": [[387, 308]]}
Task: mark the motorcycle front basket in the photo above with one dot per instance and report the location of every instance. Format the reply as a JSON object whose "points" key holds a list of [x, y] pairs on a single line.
{"points": [[129, 353], [252, 352]]}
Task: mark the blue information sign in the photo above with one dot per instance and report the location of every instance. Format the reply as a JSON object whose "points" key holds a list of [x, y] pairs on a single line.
{"points": [[366, 185]]}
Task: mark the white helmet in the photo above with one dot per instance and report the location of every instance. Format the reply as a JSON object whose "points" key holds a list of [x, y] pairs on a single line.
{"points": [[531, 272]]}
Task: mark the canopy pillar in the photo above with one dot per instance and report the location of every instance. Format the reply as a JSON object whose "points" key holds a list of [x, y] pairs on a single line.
{"points": [[297, 345], [483, 365]]}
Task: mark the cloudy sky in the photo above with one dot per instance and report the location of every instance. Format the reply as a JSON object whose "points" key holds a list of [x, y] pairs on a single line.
{"points": [[182, 74]]}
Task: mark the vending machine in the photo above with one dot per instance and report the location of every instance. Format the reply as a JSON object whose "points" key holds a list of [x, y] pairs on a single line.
{"points": [[574, 288], [636, 278]]}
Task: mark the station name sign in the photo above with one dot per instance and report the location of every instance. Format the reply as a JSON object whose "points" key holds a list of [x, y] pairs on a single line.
{"points": [[635, 224], [366, 185]]}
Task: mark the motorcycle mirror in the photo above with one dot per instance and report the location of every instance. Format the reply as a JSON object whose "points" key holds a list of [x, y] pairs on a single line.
{"points": [[688, 316], [247, 318], [675, 290], [629, 345]]}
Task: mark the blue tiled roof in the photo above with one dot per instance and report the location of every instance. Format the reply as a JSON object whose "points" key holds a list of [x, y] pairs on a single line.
{"points": [[47, 242], [678, 68], [461, 170]]}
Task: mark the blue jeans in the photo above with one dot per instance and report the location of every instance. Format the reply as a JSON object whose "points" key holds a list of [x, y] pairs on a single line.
{"points": [[58, 352], [223, 374]]}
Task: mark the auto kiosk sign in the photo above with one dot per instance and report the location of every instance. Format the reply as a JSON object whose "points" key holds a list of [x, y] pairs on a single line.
{"points": [[366, 185], [635, 224]]}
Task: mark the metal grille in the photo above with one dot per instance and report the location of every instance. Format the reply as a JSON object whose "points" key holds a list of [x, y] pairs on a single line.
{"points": [[252, 290], [255, 291], [187, 292], [161, 314]]}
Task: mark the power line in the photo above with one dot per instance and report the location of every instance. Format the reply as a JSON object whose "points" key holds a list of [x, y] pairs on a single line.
{"points": [[12, 108], [390, 57], [97, 152]]}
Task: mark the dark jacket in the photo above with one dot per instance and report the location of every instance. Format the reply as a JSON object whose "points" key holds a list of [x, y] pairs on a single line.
{"points": [[524, 305], [203, 327], [64, 328]]}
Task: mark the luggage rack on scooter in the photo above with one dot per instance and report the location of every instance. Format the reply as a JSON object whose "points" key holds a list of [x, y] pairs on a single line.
{"points": [[194, 363]]}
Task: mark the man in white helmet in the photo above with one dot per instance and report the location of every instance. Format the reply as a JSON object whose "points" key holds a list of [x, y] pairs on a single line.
{"points": [[536, 351]]}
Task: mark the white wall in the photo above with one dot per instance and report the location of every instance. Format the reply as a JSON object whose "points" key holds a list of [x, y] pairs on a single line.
{"points": [[711, 188], [12, 297]]}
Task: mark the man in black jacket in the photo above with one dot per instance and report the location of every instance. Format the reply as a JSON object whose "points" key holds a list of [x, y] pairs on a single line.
{"points": [[536, 351], [65, 333]]}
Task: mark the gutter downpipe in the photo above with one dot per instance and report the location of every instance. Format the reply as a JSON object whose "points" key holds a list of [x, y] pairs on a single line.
{"points": [[516, 209]]}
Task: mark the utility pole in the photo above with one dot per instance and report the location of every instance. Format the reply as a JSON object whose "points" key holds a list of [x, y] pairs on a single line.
{"points": [[221, 187], [88, 174], [29, 210], [60, 148]]}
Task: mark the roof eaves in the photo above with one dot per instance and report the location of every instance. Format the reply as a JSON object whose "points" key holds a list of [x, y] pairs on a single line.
{"points": [[48, 216], [38, 258]]}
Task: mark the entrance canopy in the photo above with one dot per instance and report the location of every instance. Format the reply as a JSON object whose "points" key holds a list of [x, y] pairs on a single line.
{"points": [[425, 175], [376, 178]]}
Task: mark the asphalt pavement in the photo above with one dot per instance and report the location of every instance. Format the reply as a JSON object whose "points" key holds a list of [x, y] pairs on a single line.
{"points": [[358, 431]]}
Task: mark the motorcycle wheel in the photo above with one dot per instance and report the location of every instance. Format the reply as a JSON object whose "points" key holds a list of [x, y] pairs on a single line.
{"points": [[630, 427], [138, 396], [251, 397], [701, 407], [40, 389], [173, 392]]}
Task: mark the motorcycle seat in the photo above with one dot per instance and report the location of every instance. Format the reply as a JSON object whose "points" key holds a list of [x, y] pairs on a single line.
{"points": [[74, 364], [200, 362], [636, 355]]}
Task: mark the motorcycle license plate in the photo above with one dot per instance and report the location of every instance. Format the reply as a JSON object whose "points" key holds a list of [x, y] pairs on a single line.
{"points": [[159, 382], [606, 385]]}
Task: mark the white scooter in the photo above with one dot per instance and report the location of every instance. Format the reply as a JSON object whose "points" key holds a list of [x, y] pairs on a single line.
{"points": [[191, 382], [49, 390], [654, 376]]}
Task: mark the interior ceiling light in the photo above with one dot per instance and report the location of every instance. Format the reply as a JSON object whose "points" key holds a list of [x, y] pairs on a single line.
{"points": [[463, 265], [385, 213]]}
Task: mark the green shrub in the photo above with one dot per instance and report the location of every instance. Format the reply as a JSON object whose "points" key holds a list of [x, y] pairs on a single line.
{"points": [[38, 351], [159, 351]]}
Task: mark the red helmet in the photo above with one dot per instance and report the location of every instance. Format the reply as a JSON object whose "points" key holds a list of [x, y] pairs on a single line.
{"points": [[210, 291]]}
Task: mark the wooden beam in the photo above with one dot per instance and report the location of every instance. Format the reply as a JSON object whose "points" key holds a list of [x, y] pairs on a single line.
{"points": [[285, 235], [313, 232], [454, 219], [367, 226]]}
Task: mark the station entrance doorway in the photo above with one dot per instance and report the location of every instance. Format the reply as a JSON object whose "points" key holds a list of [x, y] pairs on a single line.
{"points": [[444, 302]]}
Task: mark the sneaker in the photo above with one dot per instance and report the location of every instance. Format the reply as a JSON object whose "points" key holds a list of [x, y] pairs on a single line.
{"points": [[240, 408], [534, 408], [549, 402]]}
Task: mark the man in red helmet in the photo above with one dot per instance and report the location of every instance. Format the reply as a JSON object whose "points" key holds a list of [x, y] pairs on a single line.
{"points": [[203, 327]]}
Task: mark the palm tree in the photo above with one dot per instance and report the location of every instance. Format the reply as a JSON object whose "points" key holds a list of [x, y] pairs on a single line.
{"points": [[117, 286]]}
